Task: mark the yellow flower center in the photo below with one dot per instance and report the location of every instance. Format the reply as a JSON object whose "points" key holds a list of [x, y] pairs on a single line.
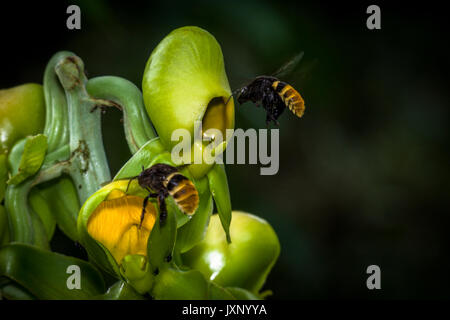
{"points": [[219, 115], [115, 224]]}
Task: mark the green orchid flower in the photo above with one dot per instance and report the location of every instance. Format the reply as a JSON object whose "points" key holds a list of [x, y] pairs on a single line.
{"points": [[56, 175], [22, 113], [244, 263], [185, 82]]}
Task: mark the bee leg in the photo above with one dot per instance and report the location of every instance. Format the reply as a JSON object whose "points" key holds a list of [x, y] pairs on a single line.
{"points": [[144, 205], [162, 208], [268, 121]]}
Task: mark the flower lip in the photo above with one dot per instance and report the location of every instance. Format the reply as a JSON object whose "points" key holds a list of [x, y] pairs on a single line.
{"points": [[115, 224]]}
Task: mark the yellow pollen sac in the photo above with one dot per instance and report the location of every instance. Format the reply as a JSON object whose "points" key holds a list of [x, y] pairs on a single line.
{"points": [[115, 224]]}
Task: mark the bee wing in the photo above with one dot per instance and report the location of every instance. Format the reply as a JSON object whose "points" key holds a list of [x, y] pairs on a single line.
{"points": [[289, 66], [298, 78]]}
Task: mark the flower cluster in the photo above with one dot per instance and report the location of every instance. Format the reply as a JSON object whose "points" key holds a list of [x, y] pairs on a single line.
{"points": [[54, 174]]}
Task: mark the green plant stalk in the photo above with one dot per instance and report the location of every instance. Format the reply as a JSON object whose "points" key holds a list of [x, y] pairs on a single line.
{"points": [[88, 163], [25, 225], [56, 113], [80, 153], [85, 150], [73, 129], [123, 94]]}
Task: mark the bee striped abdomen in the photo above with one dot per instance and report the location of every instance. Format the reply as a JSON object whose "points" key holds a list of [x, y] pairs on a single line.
{"points": [[183, 192], [291, 98]]}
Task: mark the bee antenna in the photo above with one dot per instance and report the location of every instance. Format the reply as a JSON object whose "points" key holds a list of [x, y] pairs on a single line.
{"points": [[232, 94], [129, 182], [182, 166]]}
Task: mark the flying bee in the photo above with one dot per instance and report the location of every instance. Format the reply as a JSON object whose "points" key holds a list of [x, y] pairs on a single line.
{"points": [[273, 94], [161, 181]]}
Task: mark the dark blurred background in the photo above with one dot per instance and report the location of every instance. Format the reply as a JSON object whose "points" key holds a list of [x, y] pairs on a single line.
{"points": [[364, 175]]}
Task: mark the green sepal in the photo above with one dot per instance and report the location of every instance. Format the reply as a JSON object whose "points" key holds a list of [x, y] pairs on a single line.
{"points": [[162, 241], [120, 291], [32, 158], [174, 284], [44, 273], [194, 231], [218, 185]]}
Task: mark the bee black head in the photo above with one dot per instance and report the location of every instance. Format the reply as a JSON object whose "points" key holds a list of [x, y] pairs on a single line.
{"points": [[243, 95]]}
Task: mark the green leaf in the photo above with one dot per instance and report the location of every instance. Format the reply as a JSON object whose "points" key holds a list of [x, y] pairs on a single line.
{"points": [[161, 241], [218, 185], [194, 231], [32, 158], [44, 274], [120, 291]]}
